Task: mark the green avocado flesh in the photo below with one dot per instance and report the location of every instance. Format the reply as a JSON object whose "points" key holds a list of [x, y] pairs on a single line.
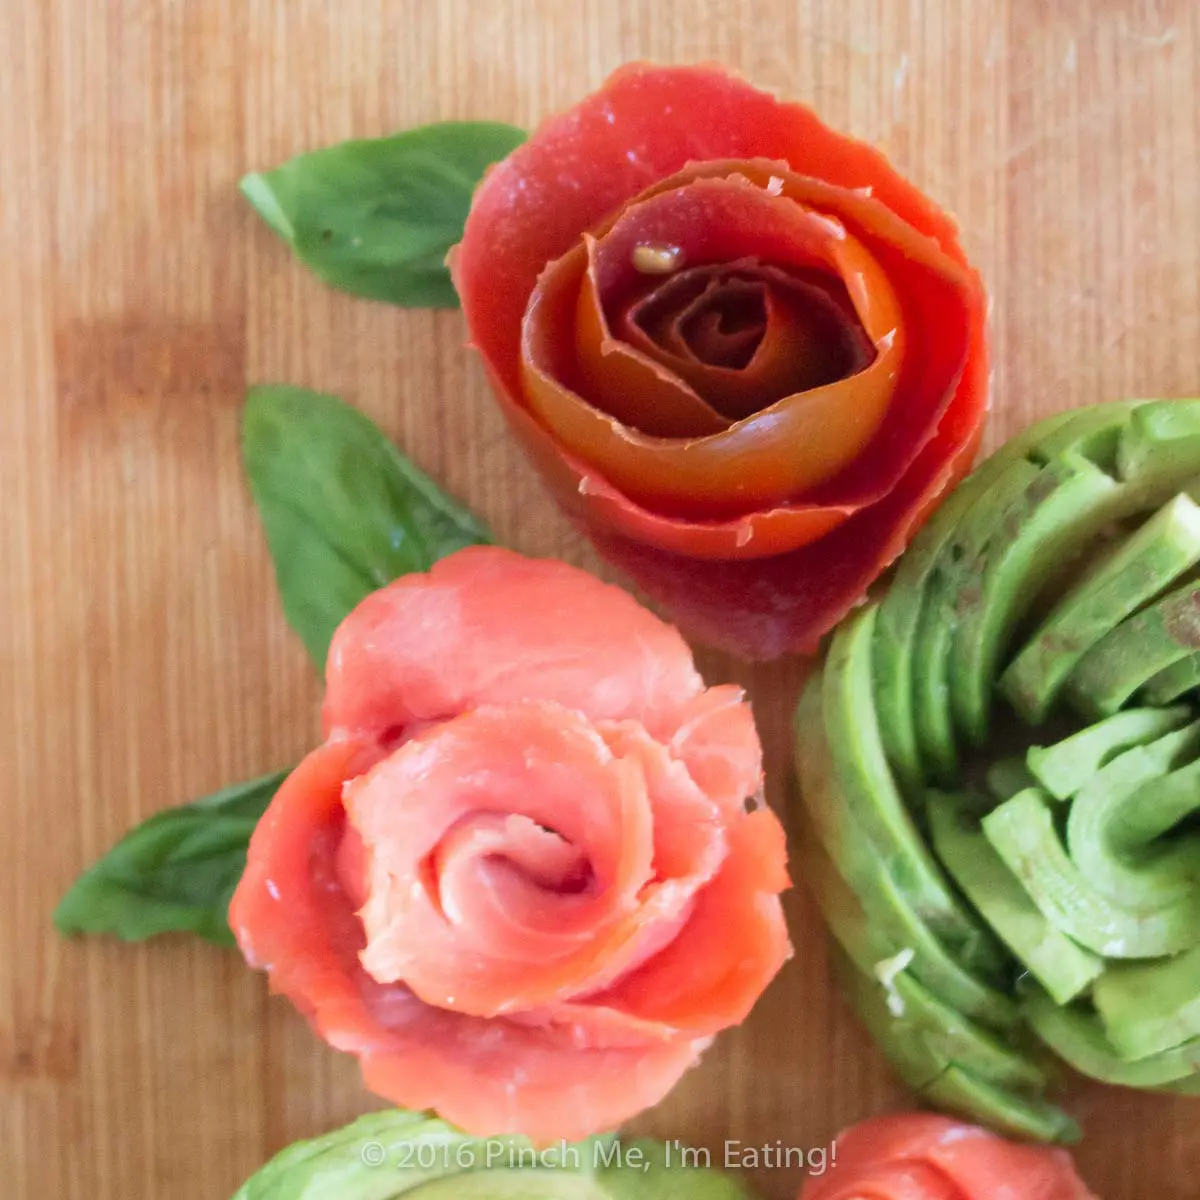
{"points": [[1119, 827], [999, 775], [876, 806], [1145, 563], [1173, 681], [394, 1153], [1063, 967], [1151, 1007], [1142, 646], [983, 1100], [867, 911], [1079, 1038], [1062, 769]]}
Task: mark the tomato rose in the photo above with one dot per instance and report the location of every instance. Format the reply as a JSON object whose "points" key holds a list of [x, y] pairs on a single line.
{"points": [[921, 1157], [744, 354], [519, 879]]}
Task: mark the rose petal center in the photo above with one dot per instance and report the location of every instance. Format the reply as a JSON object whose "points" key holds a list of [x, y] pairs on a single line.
{"points": [[746, 334], [725, 327]]}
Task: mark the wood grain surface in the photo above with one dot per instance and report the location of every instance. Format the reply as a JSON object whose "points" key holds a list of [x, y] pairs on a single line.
{"points": [[143, 655]]}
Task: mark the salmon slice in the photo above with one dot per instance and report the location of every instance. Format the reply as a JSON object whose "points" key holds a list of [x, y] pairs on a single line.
{"points": [[919, 1156], [525, 901], [487, 626]]}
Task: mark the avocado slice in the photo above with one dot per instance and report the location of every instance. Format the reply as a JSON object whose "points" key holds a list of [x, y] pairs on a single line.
{"points": [[395, 1153], [900, 610], [957, 572], [999, 1108], [1163, 438], [1126, 659], [964, 1042], [1064, 767], [1158, 806], [1023, 832], [1145, 563], [895, 1031], [1064, 968], [1182, 1087], [1008, 776], [408, 1152], [880, 928], [1149, 1008], [1096, 432], [865, 910], [1141, 792], [1086, 444], [1028, 546], [1173, 681], [921, 1036], [1006, 548], [875, 809], [1077, 1036]]}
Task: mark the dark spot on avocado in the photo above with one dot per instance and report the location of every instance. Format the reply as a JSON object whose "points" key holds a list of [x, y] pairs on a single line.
{"points": [[1181, 618]]}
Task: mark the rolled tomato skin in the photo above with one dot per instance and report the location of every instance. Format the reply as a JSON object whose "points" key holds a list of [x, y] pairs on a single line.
{"points": [[918, 1156], [745, 355], [519, 879]]}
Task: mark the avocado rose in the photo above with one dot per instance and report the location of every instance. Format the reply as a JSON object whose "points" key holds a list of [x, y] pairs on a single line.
{"points": [[385, 1155], [519, 879], [999, 768], [745, 355], [921, 1157]]}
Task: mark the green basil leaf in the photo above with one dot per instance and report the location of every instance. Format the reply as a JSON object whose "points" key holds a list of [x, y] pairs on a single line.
{"points": [[175, 872], [345, 512], [377, 217]]}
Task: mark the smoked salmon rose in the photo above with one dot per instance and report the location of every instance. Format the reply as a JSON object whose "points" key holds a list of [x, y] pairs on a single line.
{"points": [[923, 1157], [520, 879], [744, 354]]}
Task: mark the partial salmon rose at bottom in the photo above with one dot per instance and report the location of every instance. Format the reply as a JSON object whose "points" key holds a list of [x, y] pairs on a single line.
{"points": [[520, 879], [921, 1157]]}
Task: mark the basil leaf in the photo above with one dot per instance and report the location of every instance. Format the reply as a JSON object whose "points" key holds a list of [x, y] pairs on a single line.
{"points": [[345, 512], [377, 217], [175, 872]]}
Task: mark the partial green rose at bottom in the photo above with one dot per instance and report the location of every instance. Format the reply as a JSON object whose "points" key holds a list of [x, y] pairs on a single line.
{"points": [[396, 1153]]}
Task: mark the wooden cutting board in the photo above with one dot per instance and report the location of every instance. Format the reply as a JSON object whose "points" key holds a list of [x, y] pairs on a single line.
{"points": [[143, 655]]}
